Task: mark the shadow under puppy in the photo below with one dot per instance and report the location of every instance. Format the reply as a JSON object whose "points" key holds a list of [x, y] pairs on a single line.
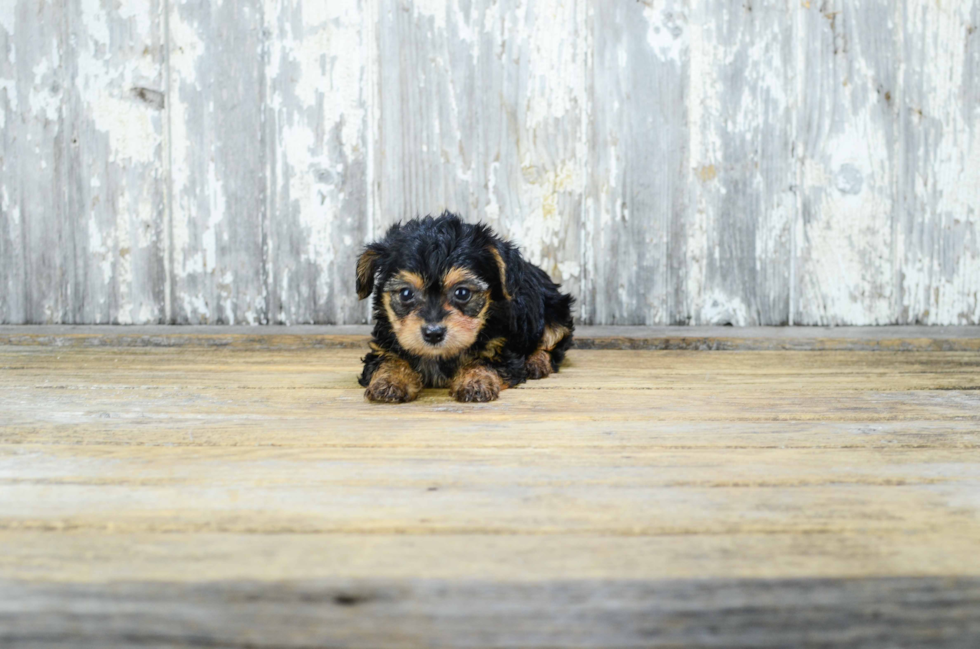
{"points": [[457, 307]]}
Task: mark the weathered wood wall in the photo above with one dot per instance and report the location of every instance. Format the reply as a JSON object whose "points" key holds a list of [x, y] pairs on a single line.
{"points": [[671, 162]]}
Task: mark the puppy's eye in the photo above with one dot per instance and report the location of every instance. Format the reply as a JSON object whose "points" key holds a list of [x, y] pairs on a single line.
{"points": [[462, 294], [405, 295]]}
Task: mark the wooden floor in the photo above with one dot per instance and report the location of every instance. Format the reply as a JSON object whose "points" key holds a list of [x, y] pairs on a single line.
{"points": [[241, 494]]}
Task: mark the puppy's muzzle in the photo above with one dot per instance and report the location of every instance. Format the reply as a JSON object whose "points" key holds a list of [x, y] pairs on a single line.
{"points": [[433, 334]]}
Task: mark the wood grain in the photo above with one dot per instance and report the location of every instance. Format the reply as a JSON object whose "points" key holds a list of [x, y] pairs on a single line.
{"points": [[246, 494], [736, 268], [315, 103], [758, 163], [851, 152], [356, 613], [633, 246], [117, 182], [938, 260], [36, 226], [219, 171]]}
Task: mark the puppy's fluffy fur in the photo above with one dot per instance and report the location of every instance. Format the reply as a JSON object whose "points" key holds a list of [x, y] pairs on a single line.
{"points": [[456, 306]]}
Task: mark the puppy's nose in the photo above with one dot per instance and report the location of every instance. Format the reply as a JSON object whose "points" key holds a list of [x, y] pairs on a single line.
{"points": [[433, 334]]}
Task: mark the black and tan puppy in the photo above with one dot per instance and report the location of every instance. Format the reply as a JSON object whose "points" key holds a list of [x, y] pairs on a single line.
{"points": [[457, 307]]}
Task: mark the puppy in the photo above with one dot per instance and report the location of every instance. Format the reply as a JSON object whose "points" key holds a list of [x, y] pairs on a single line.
{"points": [[455, 306]]}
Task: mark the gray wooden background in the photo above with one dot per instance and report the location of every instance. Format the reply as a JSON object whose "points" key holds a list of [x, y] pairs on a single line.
{"points": [[702, 162]]}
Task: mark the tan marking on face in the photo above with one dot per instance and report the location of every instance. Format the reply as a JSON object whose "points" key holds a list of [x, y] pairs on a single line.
{"points": [[552, 336], [412, 279], [461, 329], [386, 301], [458, 275], [476, 383], [394, 381], [408, 330], [461, 332], [503, 271]]}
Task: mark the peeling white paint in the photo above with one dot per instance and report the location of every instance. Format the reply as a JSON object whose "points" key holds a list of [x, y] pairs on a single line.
{"points": [[704, 103], [812, 152], [94, 23], [666, 30], [940, 269], [541, 224], [135, 11], [846, 268], [215, 215], [100, 249], [492, 208], [132, 134], [848, 244], [10, 209], [104, 86], [555, 69], [9, 89], [569, 270], [717, 308], [122, 256], [8, 17], [435, 9], [47, 92], [187, 52], [318, 68]]}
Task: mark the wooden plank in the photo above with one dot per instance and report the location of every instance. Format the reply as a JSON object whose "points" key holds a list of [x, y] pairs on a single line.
{"points": [[36, 229], [938, 225], [12, 284], [435, 613], [117, 184], [316, 113], [777, 372], [82, 238], [296, 417], [219, 170], [247, 398], [741, 391], [902, 338], [491, 491], [409, 469], [82, 427], [735, 260], [481, 112], [639, 153], [850, 145], [101, 557]]}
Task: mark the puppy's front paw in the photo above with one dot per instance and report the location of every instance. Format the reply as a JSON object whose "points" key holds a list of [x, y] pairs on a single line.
{"points": [[538, 365], [476, 384], [394, 382], [388, 391]]}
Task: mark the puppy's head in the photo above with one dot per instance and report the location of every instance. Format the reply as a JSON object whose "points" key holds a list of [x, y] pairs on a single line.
{"points": [[435, 281]]}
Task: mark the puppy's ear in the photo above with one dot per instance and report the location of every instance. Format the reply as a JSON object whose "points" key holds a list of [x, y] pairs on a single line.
{"points": [[498, 259], [367, 264]]}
